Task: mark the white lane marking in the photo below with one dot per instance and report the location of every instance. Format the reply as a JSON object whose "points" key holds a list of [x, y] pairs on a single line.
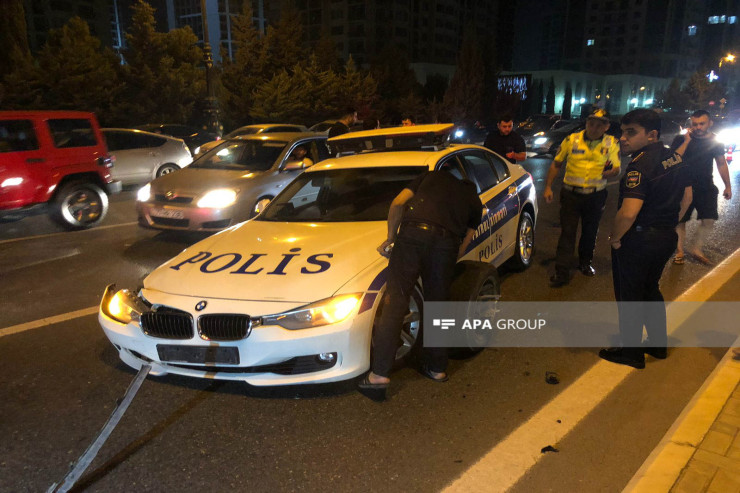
{"points": [[510, 459], [98, 228], [15, 329], [74, 252]]}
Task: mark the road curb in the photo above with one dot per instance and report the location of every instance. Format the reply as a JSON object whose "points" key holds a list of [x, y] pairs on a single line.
{"points": [[663, 468]]}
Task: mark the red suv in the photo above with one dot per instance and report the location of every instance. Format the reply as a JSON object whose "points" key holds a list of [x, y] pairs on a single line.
{"points": [[54, 161]]}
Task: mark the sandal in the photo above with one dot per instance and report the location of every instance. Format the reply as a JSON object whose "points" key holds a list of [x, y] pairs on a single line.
{"points": [[373, 391], [424, 370], [701, 259], [679, 260]]}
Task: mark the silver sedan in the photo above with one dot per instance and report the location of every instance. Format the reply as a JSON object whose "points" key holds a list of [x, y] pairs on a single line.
{"points": [[230, 183], [142, 156]]}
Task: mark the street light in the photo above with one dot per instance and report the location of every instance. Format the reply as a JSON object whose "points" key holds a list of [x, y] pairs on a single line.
{"points": [[210, 108], [730, 58]]}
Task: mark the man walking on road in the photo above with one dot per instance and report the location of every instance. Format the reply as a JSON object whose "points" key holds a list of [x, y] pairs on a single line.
{"points": [[653, 193], [590, 156], [505, 141], [702, 150]]}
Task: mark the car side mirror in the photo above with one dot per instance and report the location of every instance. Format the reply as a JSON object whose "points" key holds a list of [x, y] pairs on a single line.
{"points": [[293, 165]]}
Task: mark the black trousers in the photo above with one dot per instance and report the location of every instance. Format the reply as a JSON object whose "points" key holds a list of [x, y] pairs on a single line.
{"points": [[575, 207], [636, 269], [416, 252]]}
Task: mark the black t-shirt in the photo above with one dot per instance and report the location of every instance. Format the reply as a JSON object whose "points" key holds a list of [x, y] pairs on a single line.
{"points": [[699, 157], [338, 128], [658, 176], [504, 144], [443, 200]]}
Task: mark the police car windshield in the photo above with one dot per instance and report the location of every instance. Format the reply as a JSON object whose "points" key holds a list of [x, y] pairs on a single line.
{"points": [[343, 195], [248, 155]]}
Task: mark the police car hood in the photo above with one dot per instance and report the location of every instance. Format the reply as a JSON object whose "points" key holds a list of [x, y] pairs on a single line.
{"points": [[272, 261]]}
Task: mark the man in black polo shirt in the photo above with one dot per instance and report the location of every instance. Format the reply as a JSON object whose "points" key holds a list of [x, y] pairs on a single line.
{"points": [[438, 214], [703, 149], [505, 141], [342, 125], [654, 190]]}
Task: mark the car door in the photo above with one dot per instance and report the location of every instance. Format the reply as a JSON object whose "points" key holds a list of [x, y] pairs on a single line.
{"points": [[506, 218], [134, 161], [22, 163]]}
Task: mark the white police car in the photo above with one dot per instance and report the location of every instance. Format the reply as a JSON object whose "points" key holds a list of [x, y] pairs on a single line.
{"points": [[291, 296]]}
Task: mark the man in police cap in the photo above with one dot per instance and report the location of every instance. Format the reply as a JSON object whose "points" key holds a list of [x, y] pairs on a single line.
{"points": [[654, 192], [430, 225], [590, 156]]}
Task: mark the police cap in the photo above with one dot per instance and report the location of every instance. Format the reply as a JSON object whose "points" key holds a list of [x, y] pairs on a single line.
{"points": [[599, 114]]}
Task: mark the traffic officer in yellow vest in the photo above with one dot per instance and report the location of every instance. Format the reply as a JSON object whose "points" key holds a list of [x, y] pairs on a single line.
{"points": [[590, 156]]}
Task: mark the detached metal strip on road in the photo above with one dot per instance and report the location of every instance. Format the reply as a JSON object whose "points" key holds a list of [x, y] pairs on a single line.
{"points": [[98, 228], [510, 459]]}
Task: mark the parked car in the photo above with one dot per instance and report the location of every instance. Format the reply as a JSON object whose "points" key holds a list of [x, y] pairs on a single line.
{"points": [[228, 184], [193, 137], [291, 296], [259, 128], [142, 156], [55, 162]]}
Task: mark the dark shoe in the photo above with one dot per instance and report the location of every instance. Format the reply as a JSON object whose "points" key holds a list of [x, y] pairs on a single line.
{"points": [[616, 355], [373, 391], [558, 280], [587, 269], [656, 352], [424, 370]]}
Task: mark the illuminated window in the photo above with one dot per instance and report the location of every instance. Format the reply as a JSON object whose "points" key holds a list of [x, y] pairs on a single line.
{"points": [[692, 30], [713, 19], [589, 42], [732, 19]]}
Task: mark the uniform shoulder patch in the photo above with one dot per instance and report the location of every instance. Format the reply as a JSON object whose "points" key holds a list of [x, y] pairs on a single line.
{"points": [[632, 179]]}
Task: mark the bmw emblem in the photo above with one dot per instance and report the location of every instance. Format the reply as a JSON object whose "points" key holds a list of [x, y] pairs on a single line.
{"points": [[200, 306]]}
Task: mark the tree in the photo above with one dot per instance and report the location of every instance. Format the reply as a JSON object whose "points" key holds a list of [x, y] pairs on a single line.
{"points": [[550, 102], [283, 44], [325, 51], [356, 90], [699, 91], [71, 72], [435, 87], [464, 96], [241, 76], [394, 78], [673, 97], [162, 73], [13, 36], [567, 101]]}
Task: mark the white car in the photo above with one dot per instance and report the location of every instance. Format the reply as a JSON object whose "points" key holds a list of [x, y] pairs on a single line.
{"points": [[291, 296]]}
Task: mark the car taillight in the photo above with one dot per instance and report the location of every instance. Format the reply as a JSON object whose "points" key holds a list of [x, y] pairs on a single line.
{"points": [[106, 161]]}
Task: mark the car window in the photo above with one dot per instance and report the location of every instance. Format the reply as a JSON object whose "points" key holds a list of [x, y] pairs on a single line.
{"points": [[453, 166], [151, 141], [502, 169], [72, 132], [117, 141], [479, 170], [357, 194], [248, 155], [17, 136]]}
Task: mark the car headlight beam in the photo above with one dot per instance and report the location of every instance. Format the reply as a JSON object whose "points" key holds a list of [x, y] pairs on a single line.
{"points": [[144, 193], [540, 140], [324, 312], [218, 199], [124, 306]]}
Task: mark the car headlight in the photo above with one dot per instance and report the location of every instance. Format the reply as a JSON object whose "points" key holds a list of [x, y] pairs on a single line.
{"points": [[197, 150], [540, 140], [539, 134], [144, 193], [218, 199], [124, 306], [459, 133], [324, 312]]}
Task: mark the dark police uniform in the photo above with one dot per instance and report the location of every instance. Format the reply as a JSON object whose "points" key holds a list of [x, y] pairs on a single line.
{"points": [[433, 225], [699, 158], [503, 144], [339, 128], [658, 177]]}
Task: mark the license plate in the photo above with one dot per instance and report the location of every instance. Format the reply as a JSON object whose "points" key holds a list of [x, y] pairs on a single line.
{"points": [[168, 213], [203, 355]]}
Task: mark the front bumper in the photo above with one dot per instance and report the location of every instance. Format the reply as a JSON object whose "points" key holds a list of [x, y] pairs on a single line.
{"points": [[114, 187], [269, 355], [185, 217]]}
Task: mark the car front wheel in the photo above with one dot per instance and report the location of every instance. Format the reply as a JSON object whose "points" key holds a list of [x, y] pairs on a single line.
{"points": [[524, 242], [79, 205], [166, 169]]}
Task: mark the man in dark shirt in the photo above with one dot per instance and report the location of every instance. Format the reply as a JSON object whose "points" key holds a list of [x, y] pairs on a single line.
{"points": [[702, 150], [437, 214], [342, 125], [505, 141], [654, 190]]}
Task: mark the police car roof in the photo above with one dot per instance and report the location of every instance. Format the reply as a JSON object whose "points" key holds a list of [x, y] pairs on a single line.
{"points": [[388, 159], [415, 137]]}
